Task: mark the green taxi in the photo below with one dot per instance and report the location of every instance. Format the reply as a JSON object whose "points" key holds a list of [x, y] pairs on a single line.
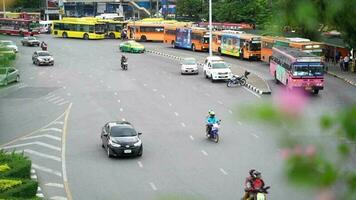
{"points": [[7, 52], [132, 46]]}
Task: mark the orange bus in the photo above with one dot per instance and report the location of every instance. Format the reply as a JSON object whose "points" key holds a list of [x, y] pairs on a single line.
{"points": [[216, 41], [193, 38], [267, 45], [169, 34], [144, 31]]}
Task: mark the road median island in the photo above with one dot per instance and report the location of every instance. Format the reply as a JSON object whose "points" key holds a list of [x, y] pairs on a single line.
{"points": [[254, 82]]}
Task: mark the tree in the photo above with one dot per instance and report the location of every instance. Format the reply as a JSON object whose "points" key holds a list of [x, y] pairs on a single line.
{"points": [[28, 4], [190, 8]]}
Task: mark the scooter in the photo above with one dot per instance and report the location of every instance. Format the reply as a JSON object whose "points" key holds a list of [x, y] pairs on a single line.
{"points": [[238, 80], [261, 194], [44, 47], [214, 132], [124, 66]]}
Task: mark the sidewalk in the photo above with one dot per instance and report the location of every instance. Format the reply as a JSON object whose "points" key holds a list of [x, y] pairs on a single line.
{"points": [[334, 70]]}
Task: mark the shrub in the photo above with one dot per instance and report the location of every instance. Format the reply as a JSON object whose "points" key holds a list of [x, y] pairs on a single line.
{"points": [[7, 184], [27, 189], [20, 165], [4, 167]]}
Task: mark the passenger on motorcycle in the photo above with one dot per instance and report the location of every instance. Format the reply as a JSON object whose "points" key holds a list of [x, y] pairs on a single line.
{"points": [[253, 184], [210, 121]]}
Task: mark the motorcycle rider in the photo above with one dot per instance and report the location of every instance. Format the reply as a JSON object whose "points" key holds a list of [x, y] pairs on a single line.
{"points": [[253, 184], [43, 46], [210, 121], [123, 60]]}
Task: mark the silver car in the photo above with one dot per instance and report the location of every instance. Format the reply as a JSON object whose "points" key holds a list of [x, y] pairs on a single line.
{"points": [[42, 58], [10, 44], [189, 66], [8, 75]]}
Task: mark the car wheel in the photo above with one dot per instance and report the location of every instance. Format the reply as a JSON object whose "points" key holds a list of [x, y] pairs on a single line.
{"points": [[212, 80], [86, 36], [140, 152], [193, 47], [108, 152], [33, 62], [18, 78], [206, 75], [143, 38]]}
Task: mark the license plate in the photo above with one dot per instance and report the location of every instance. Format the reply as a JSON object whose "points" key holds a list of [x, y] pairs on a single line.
{"points": [[127, 151]]}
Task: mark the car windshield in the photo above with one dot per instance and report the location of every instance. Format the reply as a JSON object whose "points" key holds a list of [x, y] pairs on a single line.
{"points": [[122, 131], [308, 69], [219, 65], [189, 62], [44, 54], [31, 38]]}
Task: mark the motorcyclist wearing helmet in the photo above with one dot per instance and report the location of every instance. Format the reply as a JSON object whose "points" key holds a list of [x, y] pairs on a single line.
{"points": [[123, 59], [210, 121], [253, 184]]}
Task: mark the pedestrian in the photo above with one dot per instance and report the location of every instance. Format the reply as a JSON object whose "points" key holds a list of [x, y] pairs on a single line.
{"points": [[341, 62], [337, 56], [346, 63]]}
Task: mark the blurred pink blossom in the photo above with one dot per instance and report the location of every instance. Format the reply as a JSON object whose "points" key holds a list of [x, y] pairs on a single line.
{"points": [[298, 150], [325, 194], [291, 102], [310, 150], [285, 153]]}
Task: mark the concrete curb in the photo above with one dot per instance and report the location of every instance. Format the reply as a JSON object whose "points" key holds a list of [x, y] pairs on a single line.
{"points": [[249, 86], [342, 78], [34, 177]]}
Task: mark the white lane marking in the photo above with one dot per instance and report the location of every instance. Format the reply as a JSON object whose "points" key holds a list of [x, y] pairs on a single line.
{"points": [[33, 171], [176, 114], [69, 94], [182, 124], [53, 98], [49, 96], [123, 119], [39, 189], [121, 109], [240, 123], [58, 101], [153, 186], [207, 94], [65, 102], [145, 84], [58, 185], [139, 164], [58, 198], [34, 176], [257, 95], [43, 155], [57, 122], [51, 129], [59, 82], [40, 195], [40, 136], [118, 101], [22, 86], [254, 135], [220, 102], [33, 143], [191, 137], [101, 81], [163, 96], [154, 90], [230, 111], [204, 153], [115, 93], [223, 171], [64, 87], [45, 169], [170, 104]]}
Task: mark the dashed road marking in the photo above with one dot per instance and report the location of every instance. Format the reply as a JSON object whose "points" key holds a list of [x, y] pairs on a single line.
{"points": [[43, 155], [51, 129], [176, 114], [33, 143], [230, 111], [58, 198], [58, 101], [154, 90], [254, 135], [183, 124], [191, 137], [139, 164], [118, 100], [53, 98], [115, 93], [58, 185], [121, 109], [153, 186], [223, 171], [163, 96], [40, 136], [49, 96], [252, 92], [170, 104], [64, 102], [57, 122], [220, 102], [45, 169], [204, 153]]}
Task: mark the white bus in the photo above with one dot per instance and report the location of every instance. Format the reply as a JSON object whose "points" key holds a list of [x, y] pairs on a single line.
{"points": [[45, 26]]}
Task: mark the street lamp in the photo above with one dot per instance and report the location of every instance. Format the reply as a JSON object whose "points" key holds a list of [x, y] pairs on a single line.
{"points": [[210, 28]]}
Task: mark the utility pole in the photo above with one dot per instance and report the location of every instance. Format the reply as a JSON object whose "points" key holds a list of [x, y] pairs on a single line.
{"points": [[157, 2], [4, 8], [210, 28]]}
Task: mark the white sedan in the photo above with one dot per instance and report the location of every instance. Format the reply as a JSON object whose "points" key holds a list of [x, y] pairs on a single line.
{"points": [[189, 66]]}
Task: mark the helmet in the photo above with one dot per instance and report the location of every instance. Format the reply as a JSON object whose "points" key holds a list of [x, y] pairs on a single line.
{"points": [[255, 173], [211, 113]]}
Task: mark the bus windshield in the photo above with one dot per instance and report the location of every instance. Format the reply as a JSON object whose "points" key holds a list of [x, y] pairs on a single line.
{"points": [[99, 28], [205, 40], [255, 46], [308, 69]]}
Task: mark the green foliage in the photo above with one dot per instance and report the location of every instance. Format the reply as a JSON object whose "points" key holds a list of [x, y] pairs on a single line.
{"points": [[190, 8], [27, 189], [19, 164], [6, 184], [28, 4], [4, 167]]}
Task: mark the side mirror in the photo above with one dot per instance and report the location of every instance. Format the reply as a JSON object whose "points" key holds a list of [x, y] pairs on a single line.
{"points": [[139, 133]]}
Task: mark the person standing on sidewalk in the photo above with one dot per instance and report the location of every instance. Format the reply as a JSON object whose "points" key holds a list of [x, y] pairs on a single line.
{"points": [[346, 63], [341, 62]]}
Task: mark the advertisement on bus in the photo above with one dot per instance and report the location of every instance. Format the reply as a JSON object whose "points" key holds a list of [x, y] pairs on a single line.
{"points": [[183, 38]]}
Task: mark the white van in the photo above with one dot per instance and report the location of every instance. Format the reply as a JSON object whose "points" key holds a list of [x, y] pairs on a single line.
{"points": [[45, 26]]}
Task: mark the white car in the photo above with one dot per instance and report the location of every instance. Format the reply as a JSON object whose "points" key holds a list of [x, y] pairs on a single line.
{"points": [[189, 66], [215, 68], [10, 44]]}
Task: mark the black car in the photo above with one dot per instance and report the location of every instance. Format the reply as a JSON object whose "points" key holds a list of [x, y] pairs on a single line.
{"points": [[119, 138], [30, 41], [42, 58]]}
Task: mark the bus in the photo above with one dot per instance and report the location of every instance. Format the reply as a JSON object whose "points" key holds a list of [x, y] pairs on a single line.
{"points": [[22, 27], [113, 28], [244, 46], [297, 69], [192, 38], [78, 28], [216, 41], [146, 31], [302, 44], [170, 32]]}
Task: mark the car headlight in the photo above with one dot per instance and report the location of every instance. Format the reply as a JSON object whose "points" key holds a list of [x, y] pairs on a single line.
{"points": [[111, 143], [40, 59], [138, 143], [50, 59]]}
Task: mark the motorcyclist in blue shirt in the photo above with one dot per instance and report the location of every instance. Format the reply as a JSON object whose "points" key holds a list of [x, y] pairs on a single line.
{"points": [[210, 121]]}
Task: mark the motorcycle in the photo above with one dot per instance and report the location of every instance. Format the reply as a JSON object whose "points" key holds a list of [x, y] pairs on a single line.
{"points": [[261, 194], [124, 65], [44, 47], [214, 132], [238, 80]]}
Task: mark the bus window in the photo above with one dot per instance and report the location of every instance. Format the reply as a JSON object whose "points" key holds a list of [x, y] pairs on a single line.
{"points": [[255, 46]]}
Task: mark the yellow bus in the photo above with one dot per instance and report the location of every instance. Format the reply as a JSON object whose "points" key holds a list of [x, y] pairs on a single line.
{"points": [[113, 28], [78, 28]]}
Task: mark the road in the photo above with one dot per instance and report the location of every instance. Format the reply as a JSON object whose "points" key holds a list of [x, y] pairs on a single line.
{"points": [[167, 107]]}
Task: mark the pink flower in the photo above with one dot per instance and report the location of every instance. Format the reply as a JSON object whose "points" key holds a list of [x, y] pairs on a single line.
{"points": [[325, 194], [285, 153], [291, 102], [310, 150]]}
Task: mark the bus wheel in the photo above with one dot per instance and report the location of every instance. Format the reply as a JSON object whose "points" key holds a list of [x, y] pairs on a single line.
{"points": [[173, 44], [86, 36], [143, 38], [275, 78], [219, 51], [112, 36], [64, 35], [193, 47]]}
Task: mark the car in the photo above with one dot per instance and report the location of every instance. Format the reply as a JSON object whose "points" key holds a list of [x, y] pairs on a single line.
{"points": [[7, 52], [189, 66], [119, 138], [42, 58], [10, 44], [132, 46], [8, 75], [30, 41], [215, 68]]}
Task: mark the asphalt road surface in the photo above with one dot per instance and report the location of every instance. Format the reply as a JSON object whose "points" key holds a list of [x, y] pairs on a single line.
{"points": [[87, 87]]}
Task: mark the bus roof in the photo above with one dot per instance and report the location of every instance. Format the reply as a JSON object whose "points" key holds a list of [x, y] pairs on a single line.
{"points": [[77, 22], [297, 54]]}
